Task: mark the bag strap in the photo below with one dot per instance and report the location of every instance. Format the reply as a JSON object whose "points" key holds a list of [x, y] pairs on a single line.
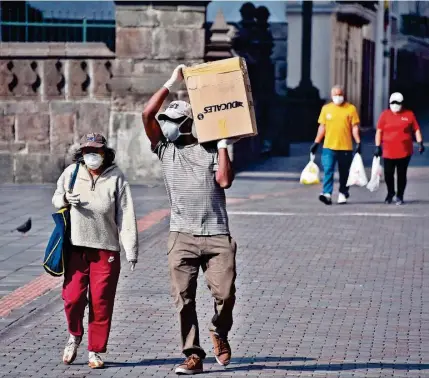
{"points": [[73, 178]]}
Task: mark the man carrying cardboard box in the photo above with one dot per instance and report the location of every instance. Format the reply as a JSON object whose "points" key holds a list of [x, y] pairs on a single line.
{"points": [[195, 177]]}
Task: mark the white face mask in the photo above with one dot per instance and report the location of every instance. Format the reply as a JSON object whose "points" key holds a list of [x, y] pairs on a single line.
{"points": [[171, 130], [338, 100], [93, 160], [395, 108]]}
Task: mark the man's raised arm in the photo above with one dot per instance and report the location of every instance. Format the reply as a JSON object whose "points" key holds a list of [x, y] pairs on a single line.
{"points": [[151, 125]]}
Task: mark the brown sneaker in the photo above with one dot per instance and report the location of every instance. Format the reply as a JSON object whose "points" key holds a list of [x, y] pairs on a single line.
{"points": [[192, 365], [222, 350]]}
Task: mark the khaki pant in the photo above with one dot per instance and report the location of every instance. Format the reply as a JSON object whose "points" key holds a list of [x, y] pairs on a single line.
{"points": [[216, 255]]}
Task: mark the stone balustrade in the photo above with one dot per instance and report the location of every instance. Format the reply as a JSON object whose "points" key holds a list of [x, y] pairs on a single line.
{"points": [[53, 93], [50, 95]]}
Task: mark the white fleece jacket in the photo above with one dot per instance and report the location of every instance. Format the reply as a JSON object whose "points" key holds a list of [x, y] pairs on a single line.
{"points": [[106, 212]]}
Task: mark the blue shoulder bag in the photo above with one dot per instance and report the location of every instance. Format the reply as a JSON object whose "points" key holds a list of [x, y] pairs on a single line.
{"points": [[59, 242]]}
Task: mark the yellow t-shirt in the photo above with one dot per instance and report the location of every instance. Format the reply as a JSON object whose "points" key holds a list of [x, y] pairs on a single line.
{"points": [[338, 121]]}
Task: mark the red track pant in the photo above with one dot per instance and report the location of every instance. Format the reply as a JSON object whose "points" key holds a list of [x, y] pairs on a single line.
{"points": [[98, 270]]}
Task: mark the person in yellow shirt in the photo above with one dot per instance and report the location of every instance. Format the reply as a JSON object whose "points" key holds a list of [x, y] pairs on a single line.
{"points": [[338, 124]]}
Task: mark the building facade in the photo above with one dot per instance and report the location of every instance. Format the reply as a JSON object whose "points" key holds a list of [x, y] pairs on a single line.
{"points": [[409, 51], [52, 93], [54, 90], [371, 48]]}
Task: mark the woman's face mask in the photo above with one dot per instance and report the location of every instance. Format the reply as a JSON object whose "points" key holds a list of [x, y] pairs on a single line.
{"points": [[337, 100], [395, 108], [171, 130], [93, 160]]}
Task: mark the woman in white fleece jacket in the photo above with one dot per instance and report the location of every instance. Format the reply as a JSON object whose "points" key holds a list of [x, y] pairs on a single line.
{"points": [[101, 215]]}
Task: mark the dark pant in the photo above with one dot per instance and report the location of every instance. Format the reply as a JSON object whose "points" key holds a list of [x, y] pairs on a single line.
{"points": [[98, 270], [401, 167], [329, 160], [216, 256]]}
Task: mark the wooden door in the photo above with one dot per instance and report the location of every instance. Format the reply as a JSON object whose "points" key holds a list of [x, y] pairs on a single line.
{"points": [[346, 66]]}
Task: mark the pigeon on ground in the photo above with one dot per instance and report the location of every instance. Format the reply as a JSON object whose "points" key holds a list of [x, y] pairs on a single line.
{"points": [[24, 228]]}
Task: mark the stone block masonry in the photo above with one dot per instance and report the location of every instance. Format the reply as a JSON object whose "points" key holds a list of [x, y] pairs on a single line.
{"points": [[47, 104], [151, 39], [53, 93], [279, 56]]}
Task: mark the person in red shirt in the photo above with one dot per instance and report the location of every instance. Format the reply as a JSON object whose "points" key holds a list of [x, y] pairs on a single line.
{"points": [[394, 139]]}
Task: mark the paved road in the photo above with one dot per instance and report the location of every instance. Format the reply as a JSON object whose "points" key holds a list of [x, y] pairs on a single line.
{"points": [[339, 291]]}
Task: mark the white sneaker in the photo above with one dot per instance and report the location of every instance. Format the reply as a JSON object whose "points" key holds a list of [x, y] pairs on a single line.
{"points": [[70, 351], [342, 198], [95, 361]]}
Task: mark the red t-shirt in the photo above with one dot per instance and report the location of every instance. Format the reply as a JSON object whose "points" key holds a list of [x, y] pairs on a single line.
{"points": [[397, 131]]}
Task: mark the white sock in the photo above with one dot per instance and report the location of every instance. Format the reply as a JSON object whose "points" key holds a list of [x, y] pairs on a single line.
{"points": [[75, 339]]}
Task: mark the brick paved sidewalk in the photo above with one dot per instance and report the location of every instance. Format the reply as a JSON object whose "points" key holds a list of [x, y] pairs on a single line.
{"points": [[20, 256], [337, 291]]}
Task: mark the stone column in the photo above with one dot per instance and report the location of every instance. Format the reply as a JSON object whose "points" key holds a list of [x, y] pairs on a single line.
{"points": [[220, 44], [305, 85], [152, 38], [304, 103], [382, 66], [307, 13]]}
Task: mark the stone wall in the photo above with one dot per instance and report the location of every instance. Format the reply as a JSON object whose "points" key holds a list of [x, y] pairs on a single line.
{"points": [[47, 102], [280, 133], [279, 55], [53, 93], [151, 40]]}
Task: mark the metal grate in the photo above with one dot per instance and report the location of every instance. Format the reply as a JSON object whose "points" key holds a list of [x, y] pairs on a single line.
{"points": [[20, 22]]}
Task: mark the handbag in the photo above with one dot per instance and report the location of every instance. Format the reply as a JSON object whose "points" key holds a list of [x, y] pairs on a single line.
{"points": [[59, 242]]}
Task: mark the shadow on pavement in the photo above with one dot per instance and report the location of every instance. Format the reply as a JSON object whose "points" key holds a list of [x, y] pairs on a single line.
{"points": [[267, 178], [330, 367], [209, 360], [416, 202], [351, 204], [256, 363]]}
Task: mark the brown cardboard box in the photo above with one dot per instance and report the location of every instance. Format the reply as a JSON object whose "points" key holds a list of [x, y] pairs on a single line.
{"points": [[221, 99]]}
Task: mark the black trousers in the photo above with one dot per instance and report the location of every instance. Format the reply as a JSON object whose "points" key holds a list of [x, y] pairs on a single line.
{"points": [[401, 167]]}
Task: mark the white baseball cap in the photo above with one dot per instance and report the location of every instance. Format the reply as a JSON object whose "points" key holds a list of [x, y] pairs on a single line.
{"points": [[176, 109], [396, 97]]}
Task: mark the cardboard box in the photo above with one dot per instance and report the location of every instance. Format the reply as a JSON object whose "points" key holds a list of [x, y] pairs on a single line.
{"points": [[221, 99]]}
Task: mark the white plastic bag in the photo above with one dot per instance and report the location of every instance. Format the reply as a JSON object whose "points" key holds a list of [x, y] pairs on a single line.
{"points": [[376, 173], [357, 175], [311, 173]]}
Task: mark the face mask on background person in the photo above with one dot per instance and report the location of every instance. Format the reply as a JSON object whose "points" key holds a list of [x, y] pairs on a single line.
{"points": [[93, 160], [338, 100], [395, 102], [395, 108], [171, 130]]}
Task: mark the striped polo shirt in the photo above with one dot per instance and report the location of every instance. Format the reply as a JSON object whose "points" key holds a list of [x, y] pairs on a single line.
{"points": [[198, 204]]}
